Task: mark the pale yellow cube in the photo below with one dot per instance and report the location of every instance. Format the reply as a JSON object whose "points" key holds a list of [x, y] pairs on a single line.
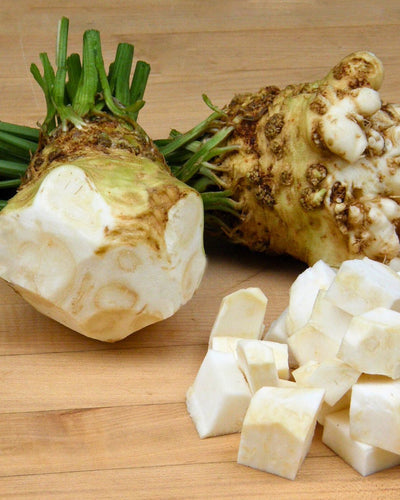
{"points": [[257, 362], [372, 343], [363, 284], [333, 375], [364, 458], [310, 344], [219, 397], [241, 314], [375, 412], [278, 429]]}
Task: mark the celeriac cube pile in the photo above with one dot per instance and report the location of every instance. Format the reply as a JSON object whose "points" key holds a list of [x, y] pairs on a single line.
{"points": [[332, 357]]}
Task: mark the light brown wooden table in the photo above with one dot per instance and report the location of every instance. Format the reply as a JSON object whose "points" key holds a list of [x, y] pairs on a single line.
{"points": [[84, 420]]}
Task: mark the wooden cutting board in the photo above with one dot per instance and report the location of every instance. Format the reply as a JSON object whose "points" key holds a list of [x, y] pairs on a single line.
{"points": [[80, 419]]}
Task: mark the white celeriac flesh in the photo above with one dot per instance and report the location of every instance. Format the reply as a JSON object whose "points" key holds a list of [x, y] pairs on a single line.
{"points": [[280, 350], [364, 458], [372, 343], [241, 314], [333, 375], [257, 362], [375, 412], [84, 254], [278, 429], [327, 409], [341, 336], [309, 343], [303, 293], [219, 397], [362, 284]]}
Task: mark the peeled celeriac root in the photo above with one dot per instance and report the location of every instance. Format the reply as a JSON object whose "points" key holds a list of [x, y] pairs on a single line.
{"points": [[74, 247], [310, 170], [100, 236]]}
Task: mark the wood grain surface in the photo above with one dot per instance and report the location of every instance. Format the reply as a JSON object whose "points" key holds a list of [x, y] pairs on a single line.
{"points": [[84, 420]]}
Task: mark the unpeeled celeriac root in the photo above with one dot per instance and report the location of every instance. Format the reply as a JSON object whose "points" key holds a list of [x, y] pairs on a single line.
{"points": [[344, 352], [311, 170], [100, 236]]}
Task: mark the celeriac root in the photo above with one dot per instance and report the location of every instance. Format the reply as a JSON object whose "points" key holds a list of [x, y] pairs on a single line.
{"points": [[311, 170]]}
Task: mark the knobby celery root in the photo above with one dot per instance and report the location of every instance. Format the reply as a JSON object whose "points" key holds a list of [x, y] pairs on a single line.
{"points": [[100, 236], [311, 170]]}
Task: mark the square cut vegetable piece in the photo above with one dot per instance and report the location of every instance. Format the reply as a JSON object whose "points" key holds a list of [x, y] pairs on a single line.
{"points": [[257, 362], [278, 429], [362, 284], [277, 333], [224, 344], [241, 314], [280, 351], [311, 344], [342, 404], [219, 397], [303, 293], [375, 412], [330, 319], [364, 458], [281, 356], [333, 375], [372, 343]]}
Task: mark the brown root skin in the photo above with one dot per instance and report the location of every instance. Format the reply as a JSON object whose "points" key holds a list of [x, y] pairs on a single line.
{"points": [[315, 175]]}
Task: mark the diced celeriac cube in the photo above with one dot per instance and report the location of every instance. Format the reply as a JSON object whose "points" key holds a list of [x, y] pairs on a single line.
{"points": [[219, 397], [287, 383], [281, 355], [277, 329], [364, 458], [303, 293], [372, 343], [281, 352], [333, 375], [375, 412], [278, 429], [257, 362], [241, 314], [277, 333], [310, 344], [342, 404], [225, 344], [329, 318], [362, 284]]}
